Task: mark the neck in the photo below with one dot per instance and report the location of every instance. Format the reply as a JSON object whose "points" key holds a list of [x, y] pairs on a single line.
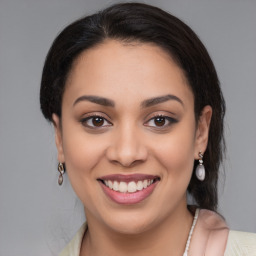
{"points": [[167, 238]]}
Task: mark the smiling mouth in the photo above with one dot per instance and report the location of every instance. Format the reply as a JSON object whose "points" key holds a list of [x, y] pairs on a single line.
{"points": [[129, 187]]}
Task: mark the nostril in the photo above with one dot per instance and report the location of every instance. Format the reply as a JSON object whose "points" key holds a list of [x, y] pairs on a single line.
{"points": [[126, 150], [126, 162]]}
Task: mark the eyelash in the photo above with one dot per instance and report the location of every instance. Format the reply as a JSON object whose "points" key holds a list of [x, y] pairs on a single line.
{"points": [[170, 120], [85, 121]]}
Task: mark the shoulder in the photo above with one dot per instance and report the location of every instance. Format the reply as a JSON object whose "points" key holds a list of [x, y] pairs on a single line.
{"points": [[241, 244], [74, 246], [210, 234], [211, 220]]}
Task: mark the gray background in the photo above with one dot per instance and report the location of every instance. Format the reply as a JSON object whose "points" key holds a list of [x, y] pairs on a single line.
{"points": [[37, 217]]}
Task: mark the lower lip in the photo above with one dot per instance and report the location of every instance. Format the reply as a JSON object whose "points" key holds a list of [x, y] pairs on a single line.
{"points": [[129, 198]]}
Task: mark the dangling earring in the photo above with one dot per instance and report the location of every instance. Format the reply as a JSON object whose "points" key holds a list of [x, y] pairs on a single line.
{"points": [[61, 170], [200, 170]]}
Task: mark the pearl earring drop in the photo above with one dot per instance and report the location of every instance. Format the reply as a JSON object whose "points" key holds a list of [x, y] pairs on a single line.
{"points": [[200, 170]]}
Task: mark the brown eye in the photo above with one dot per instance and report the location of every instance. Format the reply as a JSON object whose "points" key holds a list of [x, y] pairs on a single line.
{"points": [[159, 121], [97, 121]]}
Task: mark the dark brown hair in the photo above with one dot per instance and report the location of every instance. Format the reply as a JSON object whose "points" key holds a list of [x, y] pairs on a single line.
{"points": [[129, 22]]}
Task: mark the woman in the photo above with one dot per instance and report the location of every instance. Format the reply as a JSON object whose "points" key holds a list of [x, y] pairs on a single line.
{"points": [[138, 114]]}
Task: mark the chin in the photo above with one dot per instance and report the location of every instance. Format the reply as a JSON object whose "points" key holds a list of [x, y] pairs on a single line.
{"points": [[130, 223]]}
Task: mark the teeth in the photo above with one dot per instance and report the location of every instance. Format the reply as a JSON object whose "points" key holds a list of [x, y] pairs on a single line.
{"points": [[129, 187], [110, 184], [123, 187], [115, 186], [140, 185], [132, 187]]}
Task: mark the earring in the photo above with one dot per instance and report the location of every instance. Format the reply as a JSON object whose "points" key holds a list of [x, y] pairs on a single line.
{"points": [[200, 170], [61, 170]]}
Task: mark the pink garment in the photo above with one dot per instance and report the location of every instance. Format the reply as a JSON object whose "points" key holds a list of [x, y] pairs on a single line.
{"points": [[208, 239], [210, 235]]}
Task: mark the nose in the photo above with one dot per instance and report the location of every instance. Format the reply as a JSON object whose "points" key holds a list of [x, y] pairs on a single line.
{"points": [[127, 147]]}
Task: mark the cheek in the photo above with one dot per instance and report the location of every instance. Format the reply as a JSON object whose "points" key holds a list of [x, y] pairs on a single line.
{"points": [[81, 149], [176, 154], [82, 154]]}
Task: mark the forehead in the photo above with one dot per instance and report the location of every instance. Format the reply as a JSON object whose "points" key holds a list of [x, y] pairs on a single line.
{"points": [[135, 69]]}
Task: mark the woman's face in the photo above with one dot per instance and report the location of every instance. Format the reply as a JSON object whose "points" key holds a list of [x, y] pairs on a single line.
{"points": [[128, 135]]}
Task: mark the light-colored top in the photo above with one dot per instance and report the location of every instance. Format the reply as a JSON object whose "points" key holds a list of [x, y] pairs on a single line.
{"points": [[241, 244], [211, 237]]}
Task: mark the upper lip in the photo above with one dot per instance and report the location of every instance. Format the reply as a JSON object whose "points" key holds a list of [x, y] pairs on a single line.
{"points": [[128, 177]]}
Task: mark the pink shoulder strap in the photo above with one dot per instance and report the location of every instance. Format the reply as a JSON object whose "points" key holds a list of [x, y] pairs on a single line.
{"points": [[210, 235]]}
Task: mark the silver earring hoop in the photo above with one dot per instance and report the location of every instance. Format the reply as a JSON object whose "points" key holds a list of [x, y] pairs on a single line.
{"points": [[61, 170], [200, 170]]}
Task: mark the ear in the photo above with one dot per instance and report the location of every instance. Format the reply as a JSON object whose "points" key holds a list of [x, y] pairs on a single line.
{"points": [[58, 137], [202, 132]]}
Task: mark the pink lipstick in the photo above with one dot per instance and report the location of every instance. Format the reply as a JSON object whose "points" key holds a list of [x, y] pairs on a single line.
{"points": [[128, 189]]}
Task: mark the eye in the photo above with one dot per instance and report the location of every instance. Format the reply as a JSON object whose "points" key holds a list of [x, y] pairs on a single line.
{"points": [[161, 121], [95, 121]]}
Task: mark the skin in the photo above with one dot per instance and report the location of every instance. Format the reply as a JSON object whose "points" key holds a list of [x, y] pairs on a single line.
{"points": [[129, 140]]}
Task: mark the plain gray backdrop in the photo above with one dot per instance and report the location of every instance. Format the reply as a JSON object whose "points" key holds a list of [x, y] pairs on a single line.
{"points": [[37, 217]]}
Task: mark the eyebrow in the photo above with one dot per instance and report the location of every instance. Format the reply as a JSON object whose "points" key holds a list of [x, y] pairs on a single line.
{"points": [[95, 99], [157, 100], [145, 104]]}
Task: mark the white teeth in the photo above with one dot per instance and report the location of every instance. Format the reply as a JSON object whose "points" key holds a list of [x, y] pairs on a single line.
{"points": [[145, 183], [123, 187], [139, 185], [132, 187], [115, 186], [129, 187], [110, 184]]}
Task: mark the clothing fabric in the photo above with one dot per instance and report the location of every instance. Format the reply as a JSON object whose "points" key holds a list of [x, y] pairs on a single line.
{"points": [[211, 237], [74, 246], [241, 244]]}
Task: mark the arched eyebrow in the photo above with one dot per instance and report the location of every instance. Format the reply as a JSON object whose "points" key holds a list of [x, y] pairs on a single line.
{"points": [[95, 99], [157, 100], [145, 104]]}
